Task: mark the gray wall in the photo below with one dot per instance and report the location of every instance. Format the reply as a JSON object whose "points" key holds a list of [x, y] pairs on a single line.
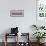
{"points": [[23, 23]]}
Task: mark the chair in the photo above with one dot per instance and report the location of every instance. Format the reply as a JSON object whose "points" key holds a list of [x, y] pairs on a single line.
{"points": [[25, 36], [14, 32], [7, 35]]}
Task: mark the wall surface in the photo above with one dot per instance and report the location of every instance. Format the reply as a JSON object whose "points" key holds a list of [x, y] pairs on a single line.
{"points": [[24, 23]]}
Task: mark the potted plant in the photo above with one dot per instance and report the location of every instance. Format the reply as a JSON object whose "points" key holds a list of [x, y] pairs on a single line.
{"points": [[39, 35]]}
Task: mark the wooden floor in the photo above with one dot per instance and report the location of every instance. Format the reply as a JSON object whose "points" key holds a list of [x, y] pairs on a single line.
{"points": [[13, 44]]}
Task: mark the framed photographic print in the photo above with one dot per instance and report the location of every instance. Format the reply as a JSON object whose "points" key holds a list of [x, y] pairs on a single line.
{"points": [[17, 13]]}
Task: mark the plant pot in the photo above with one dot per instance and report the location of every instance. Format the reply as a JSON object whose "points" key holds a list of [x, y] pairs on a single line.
{"points": [[40, 41]]}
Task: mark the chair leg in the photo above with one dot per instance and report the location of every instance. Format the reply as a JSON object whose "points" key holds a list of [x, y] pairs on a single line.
{"points": [[5, 44], [5, 40], [17, 41]]}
